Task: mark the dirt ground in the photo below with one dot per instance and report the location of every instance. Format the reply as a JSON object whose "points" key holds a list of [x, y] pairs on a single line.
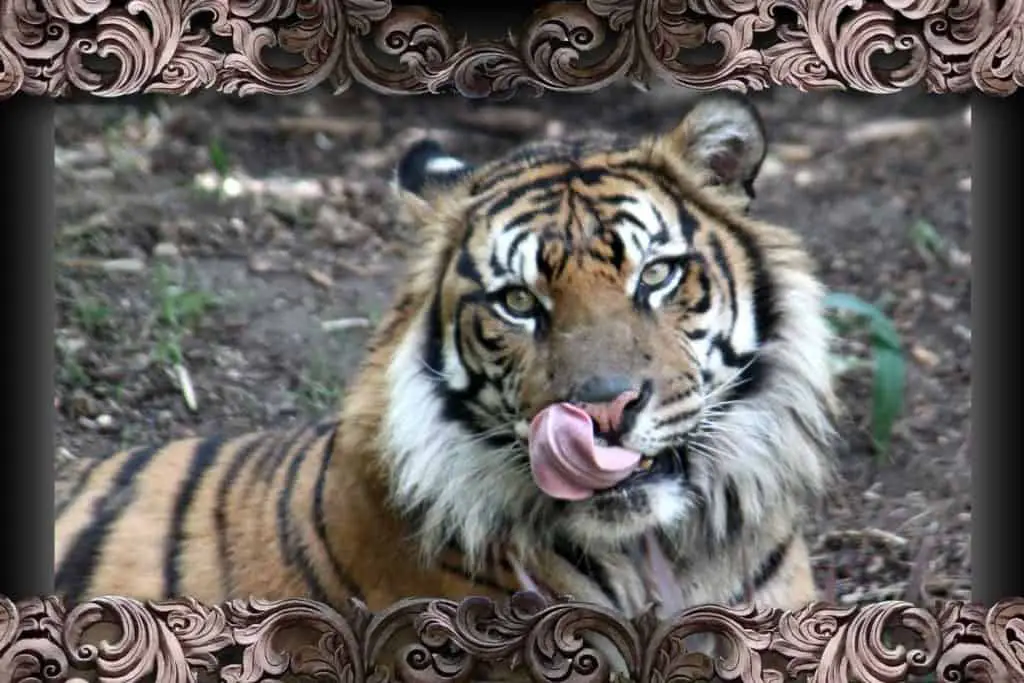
{"points": [[220, 263]]}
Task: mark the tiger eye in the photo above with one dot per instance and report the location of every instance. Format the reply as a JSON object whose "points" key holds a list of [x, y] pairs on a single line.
{"points": [[656, 273], [518, 300]]}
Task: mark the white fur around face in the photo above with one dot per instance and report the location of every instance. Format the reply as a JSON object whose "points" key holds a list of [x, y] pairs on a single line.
{"points": [[467, 489], [437, 466]]}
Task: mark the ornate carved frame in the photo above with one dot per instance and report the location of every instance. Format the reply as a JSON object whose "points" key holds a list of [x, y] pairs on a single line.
{"points": [[109, 49], [59, 48]]}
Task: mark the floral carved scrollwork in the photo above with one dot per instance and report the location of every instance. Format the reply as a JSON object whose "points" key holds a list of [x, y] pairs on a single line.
{"points": [[523, 638], [97, 47]]}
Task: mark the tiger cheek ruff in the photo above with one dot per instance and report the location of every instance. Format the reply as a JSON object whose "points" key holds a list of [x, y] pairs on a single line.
{"points": [[601, 377]]}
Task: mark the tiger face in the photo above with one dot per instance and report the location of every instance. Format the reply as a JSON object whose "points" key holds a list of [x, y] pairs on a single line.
{"points": [[623, 279]]}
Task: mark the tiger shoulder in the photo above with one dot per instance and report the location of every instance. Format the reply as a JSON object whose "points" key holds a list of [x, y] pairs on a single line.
{"points": [[601, 376]]}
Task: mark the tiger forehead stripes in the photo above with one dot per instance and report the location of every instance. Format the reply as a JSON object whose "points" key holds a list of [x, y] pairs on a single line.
{"points": [[600, 377], [593, 218]]}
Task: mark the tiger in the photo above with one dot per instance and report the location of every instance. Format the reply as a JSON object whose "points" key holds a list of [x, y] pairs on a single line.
{"points": [[625, 279]]}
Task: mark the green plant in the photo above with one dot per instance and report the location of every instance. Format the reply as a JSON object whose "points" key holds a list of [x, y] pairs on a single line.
{"points": [[219, 158], [887, 360], [94, 317], [318, 390], [927, 241], [179, 310]]}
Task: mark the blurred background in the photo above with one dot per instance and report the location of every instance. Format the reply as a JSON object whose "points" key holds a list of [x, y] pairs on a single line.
{"points": [[221, 262]]}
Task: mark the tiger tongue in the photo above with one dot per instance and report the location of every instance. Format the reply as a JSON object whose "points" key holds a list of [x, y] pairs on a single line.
{"points": [[566, 462]]}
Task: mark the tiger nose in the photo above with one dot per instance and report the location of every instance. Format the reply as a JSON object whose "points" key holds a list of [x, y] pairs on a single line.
{"points": [[612, 401]]}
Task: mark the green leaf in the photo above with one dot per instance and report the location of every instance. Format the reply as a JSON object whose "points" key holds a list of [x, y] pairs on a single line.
{"points": [[888, 361], [927, 240], [219, 158], [890, 371]]}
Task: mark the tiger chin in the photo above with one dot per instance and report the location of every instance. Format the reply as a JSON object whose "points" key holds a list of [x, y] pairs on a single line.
{"points": [[594, 278]]}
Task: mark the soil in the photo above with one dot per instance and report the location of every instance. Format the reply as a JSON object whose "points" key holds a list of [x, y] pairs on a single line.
{"points": [[220, 264]]}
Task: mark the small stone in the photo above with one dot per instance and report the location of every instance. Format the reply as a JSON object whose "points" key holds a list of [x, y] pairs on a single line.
{"points": [[166, 251], [270, 261], [323, 142], [793, 153], [208, 181], [887, 129], [554, 130], [82, 404], [772, 167], [71, 345], [925, 356], [959, 258], [803, 178], [320, 277], [124, 265], [328, 217], [943, 302], [232, 187], [105, 422]]}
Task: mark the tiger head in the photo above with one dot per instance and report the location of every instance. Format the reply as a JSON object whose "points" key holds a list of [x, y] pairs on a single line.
{"points": [[624, 278]]}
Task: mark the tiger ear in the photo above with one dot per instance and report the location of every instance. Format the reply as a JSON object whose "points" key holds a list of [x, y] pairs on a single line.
{"points": [[723, 134], [425, 169]]}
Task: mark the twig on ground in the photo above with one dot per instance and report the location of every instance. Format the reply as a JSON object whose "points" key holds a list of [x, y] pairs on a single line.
{"points": [[344, 324], [506, 121], [884, 537], [188, 391], [120, 265], [340, 127], [915, 589]]}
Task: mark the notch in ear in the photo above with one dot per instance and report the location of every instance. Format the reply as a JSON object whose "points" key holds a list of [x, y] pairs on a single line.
{"points": [[426, 168], [723, 134]]}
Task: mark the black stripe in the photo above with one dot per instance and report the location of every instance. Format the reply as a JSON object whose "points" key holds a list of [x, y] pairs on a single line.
{"points": [[220, 520], [767, 570], [483, 580], [766, 313], [76, 490], [733, 511], [203, 457], [516, 193], [291, 546], [479, 579], [320, 523], [677, 418], [280, 440], [702, 305], [76, 571], [270, 466], [730, 280], [466, 267], [513, 247], [586, 565], [771, 565]]}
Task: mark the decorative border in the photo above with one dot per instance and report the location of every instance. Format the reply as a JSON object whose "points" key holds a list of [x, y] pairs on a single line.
{"points": [[432, 641], [103, 48], [60, 48]]}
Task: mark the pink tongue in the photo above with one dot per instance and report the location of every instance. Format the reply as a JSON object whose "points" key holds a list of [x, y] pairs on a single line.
{"points": [[565, 461]]}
